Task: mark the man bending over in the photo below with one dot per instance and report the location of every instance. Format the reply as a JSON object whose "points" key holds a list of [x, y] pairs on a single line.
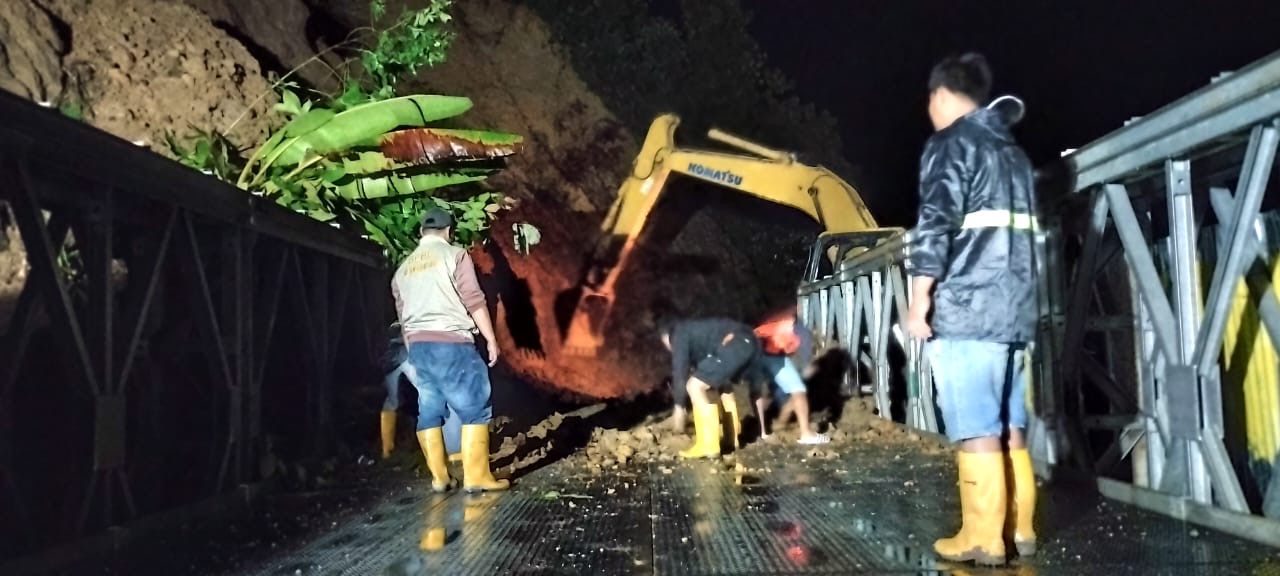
{"points": [[720, 351]]}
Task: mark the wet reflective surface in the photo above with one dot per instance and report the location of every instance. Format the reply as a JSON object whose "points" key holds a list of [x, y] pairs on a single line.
{"points": [[874, 511]]}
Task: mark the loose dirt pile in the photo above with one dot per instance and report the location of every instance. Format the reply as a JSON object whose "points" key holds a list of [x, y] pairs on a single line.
{"points": [[602, 449]]}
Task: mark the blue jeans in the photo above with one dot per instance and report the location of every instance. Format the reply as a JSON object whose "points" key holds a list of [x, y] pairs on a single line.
{"points": [[982, 386], [392, 383], [450, 375], [782, 377], [395, 361]]}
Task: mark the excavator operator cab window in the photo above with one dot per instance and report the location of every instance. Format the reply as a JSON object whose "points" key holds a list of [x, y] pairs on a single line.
{"points": [[823, 258], [830, 251]]}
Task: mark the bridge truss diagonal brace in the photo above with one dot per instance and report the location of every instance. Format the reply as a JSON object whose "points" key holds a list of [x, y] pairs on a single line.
{"points": [[152, 271], [1144, 268], [1259, 161], [42, 254], [1264, 297], [1187, 389], [92, 341]]}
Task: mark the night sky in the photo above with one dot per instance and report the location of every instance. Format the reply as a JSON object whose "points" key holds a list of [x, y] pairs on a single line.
{"points": [[1082, 67]]}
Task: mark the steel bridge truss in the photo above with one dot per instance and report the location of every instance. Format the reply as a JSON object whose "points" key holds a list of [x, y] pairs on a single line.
{"points": [[127, 394], [1150, 188]]}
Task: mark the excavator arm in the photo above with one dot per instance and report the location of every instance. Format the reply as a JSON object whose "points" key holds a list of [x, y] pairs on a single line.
{"points": [[762, 172]]}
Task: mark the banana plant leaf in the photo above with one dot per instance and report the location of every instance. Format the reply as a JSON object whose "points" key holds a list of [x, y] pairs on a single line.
{"points": [[356, 188], [364, 123], [432, 145], [309, 122], [372, 163], [370, 120], [368, 162]]}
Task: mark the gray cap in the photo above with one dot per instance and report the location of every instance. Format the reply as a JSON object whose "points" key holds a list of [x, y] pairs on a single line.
{"points": [[437, 218]]}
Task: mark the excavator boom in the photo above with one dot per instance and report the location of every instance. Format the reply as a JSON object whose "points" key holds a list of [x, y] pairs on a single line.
{"points": [[762, 172]]}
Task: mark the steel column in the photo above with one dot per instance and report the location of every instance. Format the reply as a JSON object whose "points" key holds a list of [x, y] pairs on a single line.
{"points": [[1182, 235]]}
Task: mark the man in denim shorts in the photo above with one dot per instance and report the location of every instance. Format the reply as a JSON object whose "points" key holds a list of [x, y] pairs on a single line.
{"points": [[719, 351], [972, 264], [786, 343], [441, 306]]}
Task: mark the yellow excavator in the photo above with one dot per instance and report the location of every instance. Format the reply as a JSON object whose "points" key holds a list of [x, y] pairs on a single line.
{"points": [[774, 175]]}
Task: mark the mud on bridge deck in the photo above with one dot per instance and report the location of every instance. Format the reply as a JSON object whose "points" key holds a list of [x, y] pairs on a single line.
{"points": [[872, 502]]}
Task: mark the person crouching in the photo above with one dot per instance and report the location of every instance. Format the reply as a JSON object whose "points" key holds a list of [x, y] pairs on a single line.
{"points": [[720, 351]]}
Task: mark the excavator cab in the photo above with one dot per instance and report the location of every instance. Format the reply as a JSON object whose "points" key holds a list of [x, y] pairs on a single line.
{"points": [[831, 248]]}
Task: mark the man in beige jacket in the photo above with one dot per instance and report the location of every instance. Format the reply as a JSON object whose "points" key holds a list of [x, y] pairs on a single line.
{"points": [[440, 306]]}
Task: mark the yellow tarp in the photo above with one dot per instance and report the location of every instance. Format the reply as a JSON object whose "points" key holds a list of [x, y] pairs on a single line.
{"points": [[1259, 378]]}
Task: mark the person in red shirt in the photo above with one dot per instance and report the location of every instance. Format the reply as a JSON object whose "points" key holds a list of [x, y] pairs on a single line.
{"points": [[783, 337]]}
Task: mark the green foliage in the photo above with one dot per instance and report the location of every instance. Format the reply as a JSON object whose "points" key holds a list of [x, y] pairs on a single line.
{"points": [[71, 266], [705, 67], [418, 38], [342, 166], [209, 152], [71, 110], [364, 158], [396, 226]]}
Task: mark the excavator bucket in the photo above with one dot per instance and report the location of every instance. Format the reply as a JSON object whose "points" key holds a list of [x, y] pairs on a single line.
{"points": [[585, 335]]}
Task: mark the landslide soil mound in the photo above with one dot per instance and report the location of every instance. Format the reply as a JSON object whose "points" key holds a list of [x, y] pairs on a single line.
{"points": [[146, 66], [135, 69], [13, 267]]}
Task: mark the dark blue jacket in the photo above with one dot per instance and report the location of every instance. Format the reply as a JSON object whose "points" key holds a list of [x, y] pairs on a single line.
{"points": [[697, 339], [974, 233]]}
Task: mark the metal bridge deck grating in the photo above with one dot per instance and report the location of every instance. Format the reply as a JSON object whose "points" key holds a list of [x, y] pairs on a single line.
{"points": [[874, 510]]}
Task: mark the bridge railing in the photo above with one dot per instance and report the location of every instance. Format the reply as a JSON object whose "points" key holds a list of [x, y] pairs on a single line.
{"points": [[175, 338], [858, 309], [1144, 376]]}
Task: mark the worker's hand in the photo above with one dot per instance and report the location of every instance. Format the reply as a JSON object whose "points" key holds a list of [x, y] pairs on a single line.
{"points": [[493, 353], [918, 319]]}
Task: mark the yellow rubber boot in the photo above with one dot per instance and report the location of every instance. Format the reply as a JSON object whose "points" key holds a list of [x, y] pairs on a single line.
{"points": [[475, 460], [730, 404], [706, 432], [432, 442], [982, 505], [388, 424], [1022, 502]]}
